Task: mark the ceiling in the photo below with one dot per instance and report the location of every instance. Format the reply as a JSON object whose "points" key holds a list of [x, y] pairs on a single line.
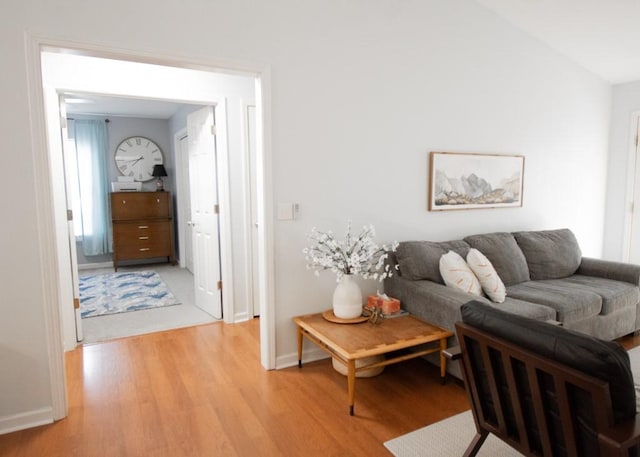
{"points": [[600, 35], [106, 105]]}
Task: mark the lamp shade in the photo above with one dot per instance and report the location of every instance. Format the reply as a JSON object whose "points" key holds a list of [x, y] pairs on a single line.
{"points": [[159, 170]]}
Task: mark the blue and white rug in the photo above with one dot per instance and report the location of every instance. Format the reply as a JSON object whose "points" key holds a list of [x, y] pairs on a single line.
{"points": [[123, 292]]}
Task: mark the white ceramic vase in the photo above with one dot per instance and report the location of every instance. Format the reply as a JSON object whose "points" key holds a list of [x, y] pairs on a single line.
{"points": [[347, 298]]}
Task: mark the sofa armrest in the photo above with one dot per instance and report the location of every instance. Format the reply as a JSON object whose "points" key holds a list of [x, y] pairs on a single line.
{"points": [[433, 302], [607, 269]]}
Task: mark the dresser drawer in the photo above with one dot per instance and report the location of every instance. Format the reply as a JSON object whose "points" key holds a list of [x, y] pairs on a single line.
{"points": [[154, 242], [143, 251], [142, 230], [140, 205]]}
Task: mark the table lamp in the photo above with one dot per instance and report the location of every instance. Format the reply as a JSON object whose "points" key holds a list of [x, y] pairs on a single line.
{"points": [[159, 171]]}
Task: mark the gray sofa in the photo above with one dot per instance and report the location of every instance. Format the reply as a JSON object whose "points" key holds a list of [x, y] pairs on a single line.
{"points": [[545, 275]]}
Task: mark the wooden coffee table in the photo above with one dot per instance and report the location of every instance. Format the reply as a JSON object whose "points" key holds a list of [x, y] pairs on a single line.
{"points": [[350, 342]]}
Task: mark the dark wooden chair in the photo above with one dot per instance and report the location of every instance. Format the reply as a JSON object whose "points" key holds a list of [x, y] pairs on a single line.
{"points": [[527, 386]]}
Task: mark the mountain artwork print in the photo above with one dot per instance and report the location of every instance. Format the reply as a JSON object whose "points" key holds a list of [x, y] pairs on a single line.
{"points": [[472, 181]]}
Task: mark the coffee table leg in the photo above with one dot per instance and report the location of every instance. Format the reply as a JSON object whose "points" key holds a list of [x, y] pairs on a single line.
{"points": [[351, 383], [299, 347], [443, 361]]}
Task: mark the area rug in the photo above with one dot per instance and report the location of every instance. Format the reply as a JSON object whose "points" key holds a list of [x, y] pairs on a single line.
{"points": [[450, 437], [122, 292], [447, 438]]}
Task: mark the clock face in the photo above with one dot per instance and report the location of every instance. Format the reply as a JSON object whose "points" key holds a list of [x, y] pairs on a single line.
{"points": [[136, 157]]}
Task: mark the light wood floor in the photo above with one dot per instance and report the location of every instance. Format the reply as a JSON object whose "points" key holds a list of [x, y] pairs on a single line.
{"points": [[183, 393]]}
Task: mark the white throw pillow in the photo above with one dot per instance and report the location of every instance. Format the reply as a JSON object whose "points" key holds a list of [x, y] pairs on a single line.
{"points": [[487, 275], [456, 273]]}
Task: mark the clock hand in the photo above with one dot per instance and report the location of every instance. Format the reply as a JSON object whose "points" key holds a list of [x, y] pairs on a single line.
{"points": [[123, 159]]}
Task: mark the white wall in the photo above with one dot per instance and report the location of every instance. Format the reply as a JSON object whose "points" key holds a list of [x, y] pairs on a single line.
{"points": [[360, 92], [154, 129], [625, 101], [120, 128]]}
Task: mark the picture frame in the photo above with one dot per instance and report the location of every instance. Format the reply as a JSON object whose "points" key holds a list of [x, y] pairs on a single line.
{"points": [[459, 181]]}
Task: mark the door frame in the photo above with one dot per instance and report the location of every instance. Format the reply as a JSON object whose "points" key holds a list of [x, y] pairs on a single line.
{"points": [[633, 170], [72, 214], [47, 227], [252, 209], [182, 184]]}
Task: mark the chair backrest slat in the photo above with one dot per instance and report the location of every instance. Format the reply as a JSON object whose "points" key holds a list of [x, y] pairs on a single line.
{"points": [[515, 400]]}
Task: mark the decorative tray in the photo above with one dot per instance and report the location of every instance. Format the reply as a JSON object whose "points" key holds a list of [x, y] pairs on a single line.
{"points": [[328, 315]]}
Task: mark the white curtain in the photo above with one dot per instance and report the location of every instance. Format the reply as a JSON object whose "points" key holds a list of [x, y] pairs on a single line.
{"points": [[92, 142]]}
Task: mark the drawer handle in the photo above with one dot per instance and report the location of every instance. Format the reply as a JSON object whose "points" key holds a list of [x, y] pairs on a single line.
{"points": [[144, 249], [143, 237], [143, 226]]}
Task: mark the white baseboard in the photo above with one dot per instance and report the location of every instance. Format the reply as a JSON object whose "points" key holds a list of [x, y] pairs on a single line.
{"points": [[90, 266], [291, 360], [26, 420], [241, 317]]}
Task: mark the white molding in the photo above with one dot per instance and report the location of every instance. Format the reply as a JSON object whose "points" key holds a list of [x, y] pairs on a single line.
{"points": [[34, 45], [291, 360], [632, 165], [251, 232], [266, 252], [46, 230], [224, 200], [91, 266], [242, 317], [248, 187], [180, 192], [108, 51], [26, 420]]}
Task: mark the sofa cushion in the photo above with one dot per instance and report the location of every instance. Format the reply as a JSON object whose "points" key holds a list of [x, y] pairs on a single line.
{"points": [[456, 273], [421, 259], [615, 295], [524, 308], [601, 359], [571, 304], [491, 283], [550, 254], [504, 254]]}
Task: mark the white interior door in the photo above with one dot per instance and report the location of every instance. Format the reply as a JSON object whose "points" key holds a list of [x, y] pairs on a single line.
{"points": [[187, 250], [204, 210], [70, 173]]}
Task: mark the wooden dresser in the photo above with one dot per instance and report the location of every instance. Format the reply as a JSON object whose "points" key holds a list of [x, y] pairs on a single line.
{"points": [[142, 226]]}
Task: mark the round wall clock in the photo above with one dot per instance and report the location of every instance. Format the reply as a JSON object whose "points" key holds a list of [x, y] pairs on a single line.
{"points": [[136, 157]]}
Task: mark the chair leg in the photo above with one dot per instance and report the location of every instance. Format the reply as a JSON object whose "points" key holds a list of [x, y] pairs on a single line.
{"points": [[475, 444]]}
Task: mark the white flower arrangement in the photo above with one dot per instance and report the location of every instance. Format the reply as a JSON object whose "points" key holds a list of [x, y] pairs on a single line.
{"points": [[354, 256]]}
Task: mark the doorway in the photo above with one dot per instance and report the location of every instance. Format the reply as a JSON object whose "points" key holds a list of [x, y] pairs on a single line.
{"points": [[47, 119], [632, 238], [153, 120], [90, 76]]}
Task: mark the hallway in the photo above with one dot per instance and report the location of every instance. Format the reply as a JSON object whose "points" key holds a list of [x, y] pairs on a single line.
{"points": [[180, 283]]}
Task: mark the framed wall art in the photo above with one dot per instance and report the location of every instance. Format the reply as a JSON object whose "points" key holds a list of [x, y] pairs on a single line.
{"points": [[471, 181]]}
